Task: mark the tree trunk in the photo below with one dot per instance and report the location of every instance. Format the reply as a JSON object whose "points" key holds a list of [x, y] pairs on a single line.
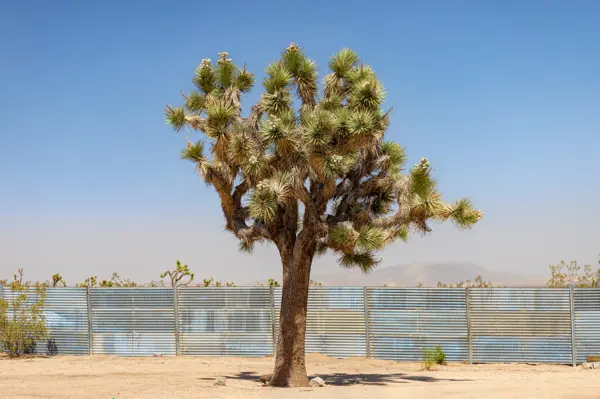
{"points": [[290, 366]]}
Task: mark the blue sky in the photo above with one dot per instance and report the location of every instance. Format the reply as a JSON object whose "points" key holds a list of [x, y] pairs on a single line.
{"points": [[503, 97]]}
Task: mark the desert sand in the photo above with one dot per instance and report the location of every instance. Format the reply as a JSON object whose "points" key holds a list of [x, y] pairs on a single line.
{"points": [[103, 377]]}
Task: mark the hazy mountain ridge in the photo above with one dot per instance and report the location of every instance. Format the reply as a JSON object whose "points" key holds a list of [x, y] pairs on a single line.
{"points": [[427, 274]]}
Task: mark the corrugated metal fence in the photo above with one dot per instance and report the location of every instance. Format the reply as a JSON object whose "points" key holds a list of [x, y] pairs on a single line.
{"points": [[521, 325], [404, 321], [225, 322], [132, 321], [586, 304], [479, 325], [336, 323]]}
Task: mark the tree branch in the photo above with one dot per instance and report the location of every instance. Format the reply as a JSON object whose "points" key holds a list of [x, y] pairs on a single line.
{"points": [[309, 204], [235, 214]]}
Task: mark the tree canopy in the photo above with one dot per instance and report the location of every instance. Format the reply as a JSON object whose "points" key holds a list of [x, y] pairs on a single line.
{"points": [[301, 158]]}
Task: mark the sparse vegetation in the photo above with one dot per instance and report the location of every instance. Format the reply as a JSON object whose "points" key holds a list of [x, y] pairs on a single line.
{"points": [[22, 322], [178, 275], [114, 282], [433, 356], [210, 282], [561, 276], [270, 283], [89, 282], [58, 281], [478, 282], [564, 274]]}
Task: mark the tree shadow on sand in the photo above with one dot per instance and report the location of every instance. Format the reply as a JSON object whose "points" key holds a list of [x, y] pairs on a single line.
{"points": [[347, 379]]}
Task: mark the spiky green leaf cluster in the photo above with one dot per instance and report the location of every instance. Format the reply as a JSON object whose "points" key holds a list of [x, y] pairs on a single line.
{"points": [[299, 162]]}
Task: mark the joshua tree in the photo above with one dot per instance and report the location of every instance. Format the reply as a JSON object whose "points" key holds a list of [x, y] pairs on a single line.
{"points": [[309, 174], [58, 281], [273, 283], [116, 281], [180, 272], [210, 282], [89, 282]]}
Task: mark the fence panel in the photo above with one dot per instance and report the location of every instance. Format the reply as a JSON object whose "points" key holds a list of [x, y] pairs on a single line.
{"points": [[133, 321], [335, 322], [65, 312], [225, 321], [521, 325], [404, 321], [587, 322]]}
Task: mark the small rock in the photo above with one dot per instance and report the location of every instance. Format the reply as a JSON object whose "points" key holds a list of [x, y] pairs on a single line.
{"points": [[221, 381], [265, 379], [317, 382], [591, 365]]}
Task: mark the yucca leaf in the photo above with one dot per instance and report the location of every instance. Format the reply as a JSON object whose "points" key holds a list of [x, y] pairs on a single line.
{"points": [[244, 80], [343, 236], [318, 128], [205, 78], [342, 62], [226, 73], [277, 79], [365, 261], [367, 94], [361, 123], [371, 239], [393, 156], [246, 246], [263, 204], [277, 102], [195, 102], [175, 117], [461, 213], [422, 184]]}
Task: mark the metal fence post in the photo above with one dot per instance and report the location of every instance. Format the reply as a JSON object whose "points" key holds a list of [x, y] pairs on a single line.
{"points": [[469, 337], [176, 308], [573, 335], [273, 323], [367, 312], [88, 294]]}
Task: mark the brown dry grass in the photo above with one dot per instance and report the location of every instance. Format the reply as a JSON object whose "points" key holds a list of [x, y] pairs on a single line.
{"points": [[193, 377]]}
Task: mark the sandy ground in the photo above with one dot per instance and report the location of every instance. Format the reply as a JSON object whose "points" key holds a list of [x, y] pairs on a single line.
{"points": [[193, 377]]}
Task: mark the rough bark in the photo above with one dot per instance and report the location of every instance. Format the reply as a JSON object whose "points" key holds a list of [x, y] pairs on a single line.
{"points": [[290, 365]]}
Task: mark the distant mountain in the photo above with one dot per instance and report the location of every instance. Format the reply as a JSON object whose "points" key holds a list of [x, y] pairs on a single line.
{"points": [[427, 274]]}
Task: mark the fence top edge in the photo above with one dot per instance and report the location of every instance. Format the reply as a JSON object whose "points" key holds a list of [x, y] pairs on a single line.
{"points": [[250, 287]]}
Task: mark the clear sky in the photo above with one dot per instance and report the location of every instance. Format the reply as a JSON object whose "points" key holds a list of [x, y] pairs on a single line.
{"points": [[503, 97]]}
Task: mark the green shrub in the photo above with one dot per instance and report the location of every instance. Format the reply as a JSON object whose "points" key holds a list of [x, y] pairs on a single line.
{"points": [[22, 322], [433, 356], [440, 355]]}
